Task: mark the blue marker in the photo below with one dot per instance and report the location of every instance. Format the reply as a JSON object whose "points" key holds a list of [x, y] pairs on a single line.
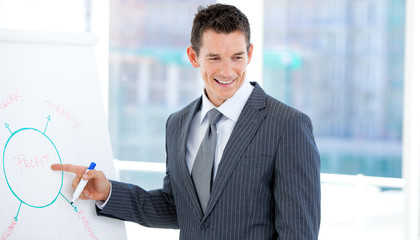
{"points": [[82, 184]]}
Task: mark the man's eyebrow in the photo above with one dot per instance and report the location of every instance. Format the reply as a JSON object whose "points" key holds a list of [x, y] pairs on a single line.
{"points": [[239, 53], [212, 55], [217, 55]]}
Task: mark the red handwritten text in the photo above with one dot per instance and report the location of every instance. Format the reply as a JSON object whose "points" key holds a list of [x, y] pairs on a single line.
{"points": [[37, 162], [63, 113], [9, 231], [12, 98], [86, 224]]}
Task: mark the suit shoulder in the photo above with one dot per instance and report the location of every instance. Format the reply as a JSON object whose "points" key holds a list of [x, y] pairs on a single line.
{"points": [[259, 99], [182, 113], [287, 117], [278, 108]]}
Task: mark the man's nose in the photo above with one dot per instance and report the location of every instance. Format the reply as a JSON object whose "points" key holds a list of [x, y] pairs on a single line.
{"points": [[227, 69]]}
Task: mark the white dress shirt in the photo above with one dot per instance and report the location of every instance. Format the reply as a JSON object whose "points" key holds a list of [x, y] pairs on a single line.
{"points": [[231, 109]]}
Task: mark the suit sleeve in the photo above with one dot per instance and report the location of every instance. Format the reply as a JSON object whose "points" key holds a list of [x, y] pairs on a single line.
{"points": [[129, 202], [297, 181]]}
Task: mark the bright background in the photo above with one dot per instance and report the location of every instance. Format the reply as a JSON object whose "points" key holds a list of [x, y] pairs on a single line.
{"points": [[346, 63]]}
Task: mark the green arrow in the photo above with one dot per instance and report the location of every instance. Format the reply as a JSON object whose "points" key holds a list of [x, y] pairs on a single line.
{"points": [[49, 119], [16, 218], [7, 126]]}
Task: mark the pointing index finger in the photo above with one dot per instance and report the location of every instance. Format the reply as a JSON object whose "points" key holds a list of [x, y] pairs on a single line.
{"points": [[78, 170]]}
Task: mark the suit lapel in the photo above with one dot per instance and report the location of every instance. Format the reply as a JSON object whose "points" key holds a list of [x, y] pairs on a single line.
{"points": [[248, 123], [183, 168]]}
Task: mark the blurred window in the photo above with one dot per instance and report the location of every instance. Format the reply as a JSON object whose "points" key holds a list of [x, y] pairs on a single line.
{"points": [[341, 62]]}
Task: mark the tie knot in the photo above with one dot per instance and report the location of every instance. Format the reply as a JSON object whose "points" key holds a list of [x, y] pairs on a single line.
{"points": [[214, 116]]}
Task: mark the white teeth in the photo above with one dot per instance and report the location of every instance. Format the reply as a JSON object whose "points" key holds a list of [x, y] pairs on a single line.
{"points": [[224, 82]]}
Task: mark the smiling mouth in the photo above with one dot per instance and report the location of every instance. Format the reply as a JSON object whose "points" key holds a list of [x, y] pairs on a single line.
{"points": [[224, 82]]}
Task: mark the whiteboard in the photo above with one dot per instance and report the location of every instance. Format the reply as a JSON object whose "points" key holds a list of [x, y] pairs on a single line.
{"points": [[51, 111]]}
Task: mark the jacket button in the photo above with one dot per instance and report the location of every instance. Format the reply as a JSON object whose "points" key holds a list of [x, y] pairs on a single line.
{"points": [[204, 225]]}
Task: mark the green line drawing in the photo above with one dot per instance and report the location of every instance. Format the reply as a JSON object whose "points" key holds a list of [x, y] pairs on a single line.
{"points": [[4, 167], [75, 208], [17, 214], [44, 136], [49, 119], [7, 126]]}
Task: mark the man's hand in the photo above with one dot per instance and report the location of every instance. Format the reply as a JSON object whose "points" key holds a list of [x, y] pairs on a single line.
{"points": [[98, 186]]}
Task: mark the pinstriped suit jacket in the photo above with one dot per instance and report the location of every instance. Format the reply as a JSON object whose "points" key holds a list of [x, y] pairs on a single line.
{"points": [[267, 185]]}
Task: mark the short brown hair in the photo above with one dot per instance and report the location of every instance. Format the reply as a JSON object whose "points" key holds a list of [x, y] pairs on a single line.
{"points": [[221, 18]]}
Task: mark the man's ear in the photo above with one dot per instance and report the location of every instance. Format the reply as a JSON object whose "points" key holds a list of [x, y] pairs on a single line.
{"points": [[192, 56], [250, 52]]}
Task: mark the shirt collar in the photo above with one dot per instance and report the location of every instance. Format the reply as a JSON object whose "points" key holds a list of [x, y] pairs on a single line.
{"points": [[233, 106]]}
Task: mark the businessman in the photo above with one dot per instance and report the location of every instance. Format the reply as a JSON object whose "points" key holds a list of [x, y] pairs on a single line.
{"points": [[240, 164]]}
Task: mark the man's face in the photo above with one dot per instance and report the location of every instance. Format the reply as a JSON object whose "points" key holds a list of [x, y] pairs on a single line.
{"points": [[222, 61]]}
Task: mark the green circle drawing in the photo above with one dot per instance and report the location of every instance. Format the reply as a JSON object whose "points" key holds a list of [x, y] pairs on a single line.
{"points": [[4, 167]]}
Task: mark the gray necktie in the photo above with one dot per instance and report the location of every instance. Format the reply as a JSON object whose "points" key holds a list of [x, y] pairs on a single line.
{"points": [[203, 165]]}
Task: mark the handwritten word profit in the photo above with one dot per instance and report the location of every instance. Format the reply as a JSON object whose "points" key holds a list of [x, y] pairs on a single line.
{"points": [[36, 162]]}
